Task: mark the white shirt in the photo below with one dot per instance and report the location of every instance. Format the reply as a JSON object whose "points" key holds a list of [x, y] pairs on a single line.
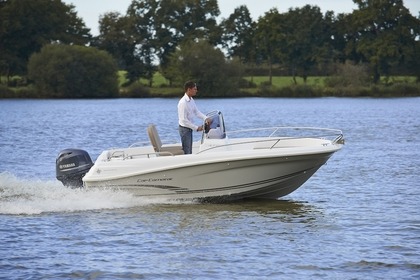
{"points": [[186, 112]]}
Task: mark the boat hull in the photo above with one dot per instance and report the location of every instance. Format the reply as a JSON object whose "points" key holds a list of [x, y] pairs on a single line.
{"points": [[229, 179]]}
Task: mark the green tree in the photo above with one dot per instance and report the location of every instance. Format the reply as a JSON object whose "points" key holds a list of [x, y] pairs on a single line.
{"points": [[385, 34], [306, 40], [238, 34], [205, 64], [178, 21], [141, 16], [414, 63], [118, 37], [268, 38], [151, 31], [26, 26], [113, 37], [343, 38], [63, 71], [185, 20]]}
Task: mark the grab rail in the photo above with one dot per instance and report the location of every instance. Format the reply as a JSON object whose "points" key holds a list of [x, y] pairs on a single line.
{"points": [[122, 155], [292, 132], [139, 144], [241, 143], [339, 139], [284, 128], [148, 155], [333, 135]]}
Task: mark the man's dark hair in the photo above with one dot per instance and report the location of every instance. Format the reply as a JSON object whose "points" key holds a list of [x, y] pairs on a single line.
{"points": [[189, 84]]}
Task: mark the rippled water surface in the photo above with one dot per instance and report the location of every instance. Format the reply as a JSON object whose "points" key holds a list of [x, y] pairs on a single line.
{"points": [[358, 217]]}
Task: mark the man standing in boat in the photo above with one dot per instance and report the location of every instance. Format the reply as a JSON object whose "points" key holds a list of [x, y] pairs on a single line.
{"points": [[186, 112]]}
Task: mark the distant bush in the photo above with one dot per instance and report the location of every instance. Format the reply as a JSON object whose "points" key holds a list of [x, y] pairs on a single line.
{"points": [[5, 92], [62, 71], [19, 92], [349, 75], [290, 91], [135, 90], [206, 65], [405, 89], [394, 90], [399, 89], [244, 83]]}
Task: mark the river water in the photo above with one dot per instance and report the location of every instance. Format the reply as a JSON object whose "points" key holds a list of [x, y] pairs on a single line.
{"points": [[358, 217]]}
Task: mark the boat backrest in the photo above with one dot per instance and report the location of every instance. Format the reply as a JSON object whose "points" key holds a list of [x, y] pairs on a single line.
{"points": [[154, 137]]}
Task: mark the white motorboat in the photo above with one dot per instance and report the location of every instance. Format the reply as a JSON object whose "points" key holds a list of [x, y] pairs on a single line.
{"points": [[225, 165]]}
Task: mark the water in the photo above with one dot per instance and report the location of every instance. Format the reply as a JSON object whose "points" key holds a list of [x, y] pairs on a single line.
{"points": [[358, 217]]}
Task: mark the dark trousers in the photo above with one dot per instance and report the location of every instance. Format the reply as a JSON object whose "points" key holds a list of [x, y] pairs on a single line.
{"points": [[186, 139]]}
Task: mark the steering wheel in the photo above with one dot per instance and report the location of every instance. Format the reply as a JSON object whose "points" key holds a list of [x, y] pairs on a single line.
{"points": [[206, 127]]}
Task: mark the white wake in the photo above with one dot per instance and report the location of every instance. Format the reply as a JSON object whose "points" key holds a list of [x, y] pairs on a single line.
{"points": [[31, 196]]}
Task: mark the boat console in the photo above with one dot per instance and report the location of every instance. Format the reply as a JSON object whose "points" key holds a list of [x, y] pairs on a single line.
{"points": [[215, 128]]}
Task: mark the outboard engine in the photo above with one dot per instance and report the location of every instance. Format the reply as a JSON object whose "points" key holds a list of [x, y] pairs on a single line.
{"points": [[71, 165]]}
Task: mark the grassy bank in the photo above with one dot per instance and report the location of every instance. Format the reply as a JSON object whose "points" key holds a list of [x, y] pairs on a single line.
{"points": [[285, 86], [257, 86]]}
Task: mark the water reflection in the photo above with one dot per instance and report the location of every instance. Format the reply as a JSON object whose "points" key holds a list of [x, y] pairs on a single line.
{"points": [[261, 206], [289, 211]]}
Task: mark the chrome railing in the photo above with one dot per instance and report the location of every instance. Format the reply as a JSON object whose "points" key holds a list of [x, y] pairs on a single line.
{"points": [[276, 135]]}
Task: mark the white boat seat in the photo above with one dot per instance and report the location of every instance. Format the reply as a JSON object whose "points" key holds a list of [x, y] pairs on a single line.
{"points": [[157, 143]]}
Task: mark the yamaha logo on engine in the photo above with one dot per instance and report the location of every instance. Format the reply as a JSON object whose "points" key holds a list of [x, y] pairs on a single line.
{"points": [[63, 166]]}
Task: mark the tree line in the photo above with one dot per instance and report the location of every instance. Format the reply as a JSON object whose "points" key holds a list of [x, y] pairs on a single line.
{"points": [[173, 36]]}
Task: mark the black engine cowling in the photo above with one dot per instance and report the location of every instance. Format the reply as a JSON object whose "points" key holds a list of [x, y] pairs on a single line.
{"points": [[71, 165]]}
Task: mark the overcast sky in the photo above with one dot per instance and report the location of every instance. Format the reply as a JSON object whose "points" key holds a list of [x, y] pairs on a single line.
{"points": [[90, 10]]}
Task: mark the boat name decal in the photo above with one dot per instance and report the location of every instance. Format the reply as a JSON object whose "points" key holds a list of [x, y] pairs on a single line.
{"points": [[67, 165], [154, 180]]}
